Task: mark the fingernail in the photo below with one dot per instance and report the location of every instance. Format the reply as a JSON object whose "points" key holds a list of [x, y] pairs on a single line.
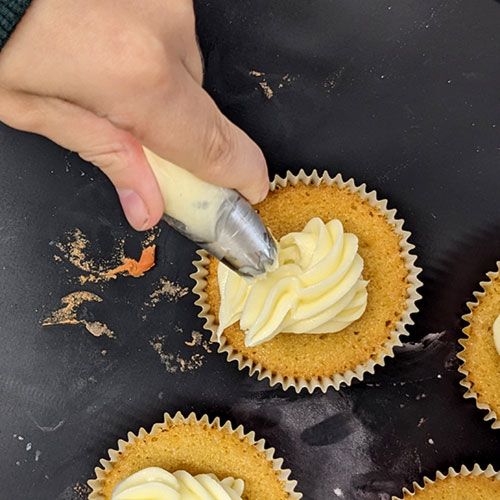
{"points": [[135, 209]]}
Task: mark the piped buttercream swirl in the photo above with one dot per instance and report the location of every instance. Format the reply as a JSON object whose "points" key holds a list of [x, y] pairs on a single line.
{"points": [[496, 334], [317, 287], [155, 483]]}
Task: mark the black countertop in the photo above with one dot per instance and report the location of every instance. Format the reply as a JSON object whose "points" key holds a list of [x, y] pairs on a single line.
{"points": [[401, 95]]}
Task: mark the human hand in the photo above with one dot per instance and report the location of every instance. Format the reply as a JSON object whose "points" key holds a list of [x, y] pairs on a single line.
{"points": [[104, 77]]}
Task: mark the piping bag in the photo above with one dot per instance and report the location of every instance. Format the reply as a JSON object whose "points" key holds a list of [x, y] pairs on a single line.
{"points": [[217, 219]]}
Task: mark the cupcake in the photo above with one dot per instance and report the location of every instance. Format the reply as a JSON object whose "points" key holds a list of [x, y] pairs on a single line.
{"points": [[192, 454], [366, 295], [475, 484], [480, 355]]}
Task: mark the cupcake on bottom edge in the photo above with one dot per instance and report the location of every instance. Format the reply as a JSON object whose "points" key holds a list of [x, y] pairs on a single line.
{"points": [[197, 446]]}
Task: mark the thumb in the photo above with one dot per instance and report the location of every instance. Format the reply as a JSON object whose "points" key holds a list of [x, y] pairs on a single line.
{"points": [[185, 127], [119, 155]]}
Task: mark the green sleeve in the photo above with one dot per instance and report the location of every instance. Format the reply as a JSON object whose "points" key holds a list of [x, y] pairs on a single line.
{"points": [[11, 12]]}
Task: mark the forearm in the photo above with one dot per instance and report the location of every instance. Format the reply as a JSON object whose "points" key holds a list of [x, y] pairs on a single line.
{"points": [[11, 12]]}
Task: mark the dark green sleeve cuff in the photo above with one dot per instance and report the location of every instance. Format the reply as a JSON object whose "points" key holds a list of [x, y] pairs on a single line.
{"points": [[11, 12]]}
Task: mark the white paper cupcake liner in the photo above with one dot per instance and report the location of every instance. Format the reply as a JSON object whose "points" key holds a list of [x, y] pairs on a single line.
{"points": [[96, 484], [335, 380], [463, 471], [465, 382]]}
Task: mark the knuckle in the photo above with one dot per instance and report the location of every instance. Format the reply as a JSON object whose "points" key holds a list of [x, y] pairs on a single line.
{"points": [[219, 148], [150, 63], [112, 157]]}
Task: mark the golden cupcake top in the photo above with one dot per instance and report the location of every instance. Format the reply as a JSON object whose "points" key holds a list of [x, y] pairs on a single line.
{"points": [[468, 486], [206, 454], [154, 483], [317, 287], [480, 355]]}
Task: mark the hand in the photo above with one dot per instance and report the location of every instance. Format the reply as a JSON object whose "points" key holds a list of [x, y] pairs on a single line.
{"points": [[104, 77]]}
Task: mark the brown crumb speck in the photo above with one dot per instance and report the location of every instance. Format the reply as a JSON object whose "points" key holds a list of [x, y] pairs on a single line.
{"points": [[68, 314], [169, 290]]}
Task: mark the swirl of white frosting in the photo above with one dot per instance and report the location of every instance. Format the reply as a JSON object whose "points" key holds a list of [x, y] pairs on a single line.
{"points": [[317, 287], [496, 334], [155, 483]]}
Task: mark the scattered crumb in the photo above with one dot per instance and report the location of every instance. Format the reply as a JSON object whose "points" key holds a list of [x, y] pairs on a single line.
{"points": [[421, 422], [168, 289], [268, 91], [151, 236], [333, 80], [431, 441], [277, 82], [82, 491], [174, 362], [68, 314], [104, 352], [197, 340], [75, 249]]}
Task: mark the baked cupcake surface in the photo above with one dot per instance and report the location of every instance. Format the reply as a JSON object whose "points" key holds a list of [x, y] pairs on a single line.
{"points": [[288, 209], [197, 447], [477, 484], [481, 360]]}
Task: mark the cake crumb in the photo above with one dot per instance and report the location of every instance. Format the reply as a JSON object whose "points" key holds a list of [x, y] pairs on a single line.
{"points": [[268, 91], [68, 314], [174, 363], [197, 340], [151, 236], [169, 290], [75, 250], [81, 490], [264, 85]]}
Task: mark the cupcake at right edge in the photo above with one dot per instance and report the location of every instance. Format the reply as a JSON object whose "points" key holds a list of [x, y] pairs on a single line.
{"points": [[474, 484], [480, 355]]}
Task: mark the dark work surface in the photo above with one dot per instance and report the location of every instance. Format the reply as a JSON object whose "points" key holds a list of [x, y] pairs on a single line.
{"points": [[401, 95]]}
